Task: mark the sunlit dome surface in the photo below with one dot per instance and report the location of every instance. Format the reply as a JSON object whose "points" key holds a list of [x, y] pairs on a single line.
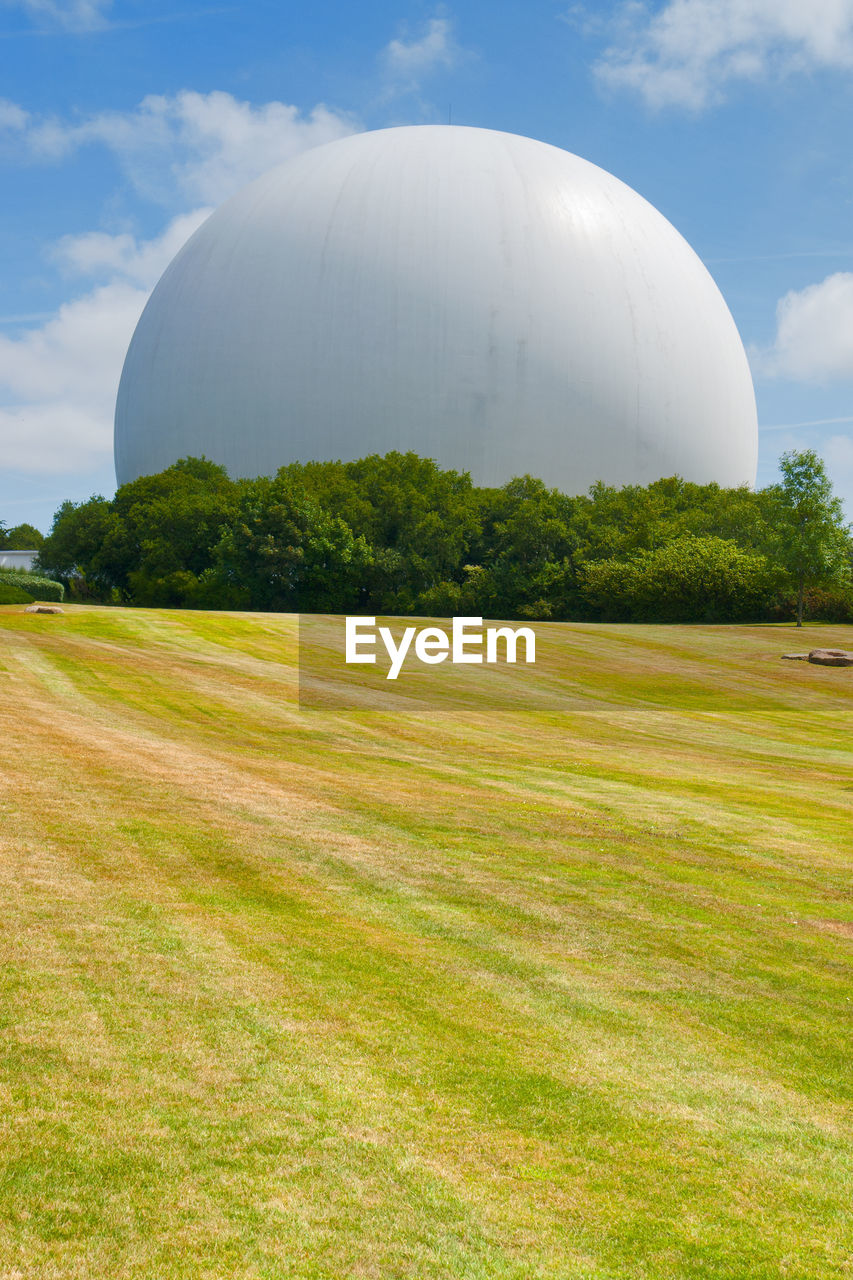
{"points": [[486, 300]]}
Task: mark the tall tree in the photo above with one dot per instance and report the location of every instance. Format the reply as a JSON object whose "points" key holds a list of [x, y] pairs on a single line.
{"points": [[813, 539], [284, 551]]}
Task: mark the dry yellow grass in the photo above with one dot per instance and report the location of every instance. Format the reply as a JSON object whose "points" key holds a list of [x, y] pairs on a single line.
{"points": [[549, 979]]}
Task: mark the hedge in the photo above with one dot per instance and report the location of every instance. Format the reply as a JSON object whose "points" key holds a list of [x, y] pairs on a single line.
{"points": [[13, 595], [689, 579], [38, 588]]}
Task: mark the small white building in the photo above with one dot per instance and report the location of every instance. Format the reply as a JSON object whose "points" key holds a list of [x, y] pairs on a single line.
{"points": [[17, 559]]}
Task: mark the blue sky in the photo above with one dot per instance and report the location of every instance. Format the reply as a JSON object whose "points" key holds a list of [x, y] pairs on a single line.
{"points": [[123, 123]]}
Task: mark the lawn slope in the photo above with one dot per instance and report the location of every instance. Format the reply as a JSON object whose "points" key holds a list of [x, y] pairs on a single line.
{"points": [[551, 980]]}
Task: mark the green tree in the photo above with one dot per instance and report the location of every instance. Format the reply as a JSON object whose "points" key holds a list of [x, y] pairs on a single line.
{"points": [[167, 527], [525, 552], [397, 534], [153, 542], [23, 537], [76, 541], [618, 522], [418, 519], [283, 551], [813, 541]]}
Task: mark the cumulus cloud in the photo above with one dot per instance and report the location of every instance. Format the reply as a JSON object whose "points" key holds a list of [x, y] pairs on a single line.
{"points": [[68, 15], [409, 61], [58, 382], [140, 262], [688, 52], [814, 333], [187, 148], [13, 119]]}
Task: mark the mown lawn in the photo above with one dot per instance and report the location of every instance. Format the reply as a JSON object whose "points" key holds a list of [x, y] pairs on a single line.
{"points": [[548, 979]]}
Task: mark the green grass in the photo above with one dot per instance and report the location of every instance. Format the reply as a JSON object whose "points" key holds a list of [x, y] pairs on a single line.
{"points": [[549, 979]]}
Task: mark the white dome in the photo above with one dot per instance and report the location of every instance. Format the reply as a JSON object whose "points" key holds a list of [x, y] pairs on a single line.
{"points": [[480, 298]]}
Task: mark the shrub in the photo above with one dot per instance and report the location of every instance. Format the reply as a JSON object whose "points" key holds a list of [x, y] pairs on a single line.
{"points": [[819, 604], [687, 580], [13, 595], [39, 588]]}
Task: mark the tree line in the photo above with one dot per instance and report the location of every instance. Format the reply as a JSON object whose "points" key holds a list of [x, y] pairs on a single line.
{"points": [[400, 535]]}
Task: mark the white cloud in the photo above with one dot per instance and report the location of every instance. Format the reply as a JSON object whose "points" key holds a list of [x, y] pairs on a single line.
{"points": [[58, 382], [410, 61], [12, 117], [688, 52], [70, 15], [189, 148], [814, 333], [140, 262]]}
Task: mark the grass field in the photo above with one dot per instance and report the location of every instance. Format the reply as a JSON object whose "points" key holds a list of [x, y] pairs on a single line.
{"points": [[550, 980]]}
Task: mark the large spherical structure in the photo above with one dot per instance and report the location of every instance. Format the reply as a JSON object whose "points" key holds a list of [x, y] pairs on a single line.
{"points": [[486, 300]]}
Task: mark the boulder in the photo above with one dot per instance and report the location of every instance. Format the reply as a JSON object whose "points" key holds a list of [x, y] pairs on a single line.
{"points": [[796, 657], [43, 608], [831, 657]]}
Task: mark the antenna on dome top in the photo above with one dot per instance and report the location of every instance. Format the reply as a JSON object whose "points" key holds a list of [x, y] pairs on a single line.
{"points": [[450, 113]]}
